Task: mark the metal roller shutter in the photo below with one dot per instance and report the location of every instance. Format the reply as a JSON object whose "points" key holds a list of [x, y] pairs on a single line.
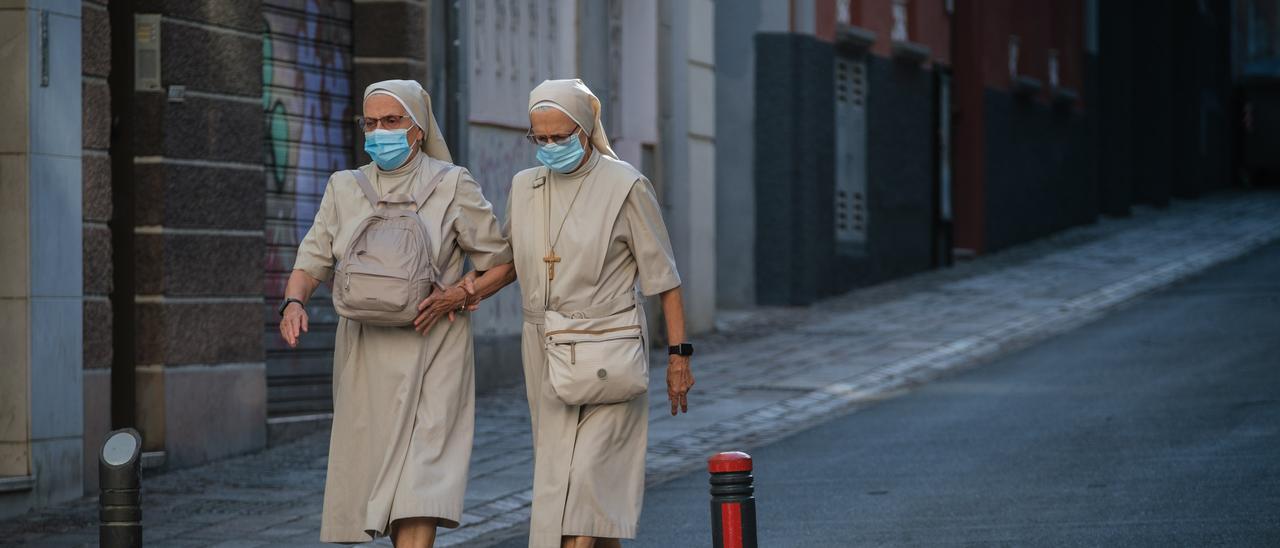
{"points": [[306, 74]]}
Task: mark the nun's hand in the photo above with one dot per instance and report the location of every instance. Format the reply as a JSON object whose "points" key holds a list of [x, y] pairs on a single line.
{"points": [[293, 324], [679, 382], [468, 284], [440, 303]]}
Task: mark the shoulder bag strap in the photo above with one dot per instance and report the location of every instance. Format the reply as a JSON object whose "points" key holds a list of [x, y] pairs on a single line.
{"points": [[367, 187], [545, 219]]}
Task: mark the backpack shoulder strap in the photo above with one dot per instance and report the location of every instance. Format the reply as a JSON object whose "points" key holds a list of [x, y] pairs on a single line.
{"points": [[420, 195], [366, 186]]}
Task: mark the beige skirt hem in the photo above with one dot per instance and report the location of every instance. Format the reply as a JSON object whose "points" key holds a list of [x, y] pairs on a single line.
{"points": [[449, 517], [600, 529]]}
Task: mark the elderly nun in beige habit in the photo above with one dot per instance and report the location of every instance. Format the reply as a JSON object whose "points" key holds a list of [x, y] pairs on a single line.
{"points": [[403, 396], [584, 256]]}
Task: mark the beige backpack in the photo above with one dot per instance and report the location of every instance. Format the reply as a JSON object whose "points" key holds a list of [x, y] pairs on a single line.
{"points": [[389, 265]]}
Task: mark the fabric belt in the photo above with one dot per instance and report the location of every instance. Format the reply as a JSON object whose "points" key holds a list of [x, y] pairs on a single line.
{"points": [[608, 308]]}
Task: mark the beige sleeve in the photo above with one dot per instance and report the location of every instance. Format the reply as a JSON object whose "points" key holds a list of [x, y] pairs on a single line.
{"points": [[649, 241], [315, 253], [506, 221], [479, 233]]}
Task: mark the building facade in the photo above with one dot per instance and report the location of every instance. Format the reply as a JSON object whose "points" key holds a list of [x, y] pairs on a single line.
{"points": [[877, 138], [1255, 73], [156, 242], [835, 111], [41, 276], [169, 155]]}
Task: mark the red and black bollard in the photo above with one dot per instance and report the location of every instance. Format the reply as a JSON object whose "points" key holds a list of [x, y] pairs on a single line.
{"points": [[733, 503]]}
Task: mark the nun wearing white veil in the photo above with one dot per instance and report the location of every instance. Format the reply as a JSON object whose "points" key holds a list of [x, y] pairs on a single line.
{"points": [[403, 396], [586, 232]]}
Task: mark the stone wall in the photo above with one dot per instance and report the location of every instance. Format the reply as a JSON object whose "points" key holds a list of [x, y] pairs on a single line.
{"points": [[201, 389], [95, 47]]}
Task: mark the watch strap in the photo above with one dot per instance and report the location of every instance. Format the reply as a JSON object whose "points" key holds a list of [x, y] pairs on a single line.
{"points": [[682, 349], [285, 304]]}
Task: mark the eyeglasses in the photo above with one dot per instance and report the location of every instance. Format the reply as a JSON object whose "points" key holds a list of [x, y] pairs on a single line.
{"points": [[391, 121], [562, 139]]}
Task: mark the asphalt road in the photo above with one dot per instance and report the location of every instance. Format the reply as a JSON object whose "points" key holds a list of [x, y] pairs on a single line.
{"points": [[1156, 426]]}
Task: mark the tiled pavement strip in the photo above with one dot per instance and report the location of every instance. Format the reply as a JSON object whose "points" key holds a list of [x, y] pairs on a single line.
{"points": [[767, 373]]}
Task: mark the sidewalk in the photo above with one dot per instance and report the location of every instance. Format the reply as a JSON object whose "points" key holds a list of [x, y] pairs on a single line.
{"points": [[768, 373]]}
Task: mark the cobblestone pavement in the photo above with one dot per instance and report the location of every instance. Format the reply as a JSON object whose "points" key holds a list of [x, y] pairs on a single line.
{"points": [[767, 372]]}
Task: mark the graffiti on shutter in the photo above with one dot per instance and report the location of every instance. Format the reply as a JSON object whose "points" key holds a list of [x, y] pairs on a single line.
{"points": [[309, 121]]}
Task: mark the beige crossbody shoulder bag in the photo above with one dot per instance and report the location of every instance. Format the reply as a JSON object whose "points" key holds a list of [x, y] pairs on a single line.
{"points": [[598, 355]]}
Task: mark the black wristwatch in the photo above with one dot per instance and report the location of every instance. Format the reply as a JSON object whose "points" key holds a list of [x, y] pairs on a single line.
{"points": [[285, 304], [682, 349]]}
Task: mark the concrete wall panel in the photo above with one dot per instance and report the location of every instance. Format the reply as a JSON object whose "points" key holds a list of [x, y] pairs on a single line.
{"points": [[496, 155], [736, 24], [14, 91], [794, 180], [55, 223], [14, 391], [900, 171], [57, 410], [57, 465], [14, 276], [225, 403], [1037, 171], [97, 422], [54, 107], [511, 50]]}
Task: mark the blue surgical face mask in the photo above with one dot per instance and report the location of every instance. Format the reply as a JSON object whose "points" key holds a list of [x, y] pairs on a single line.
{"points": [[388, 147], [562, 158]]}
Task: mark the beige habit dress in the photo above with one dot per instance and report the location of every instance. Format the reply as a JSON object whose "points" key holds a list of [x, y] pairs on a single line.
{"points": [[589, 460], [403, 403]]}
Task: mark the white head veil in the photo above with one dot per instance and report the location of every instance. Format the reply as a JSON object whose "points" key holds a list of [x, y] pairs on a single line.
{"points": [[417, 103], [575, 99]]}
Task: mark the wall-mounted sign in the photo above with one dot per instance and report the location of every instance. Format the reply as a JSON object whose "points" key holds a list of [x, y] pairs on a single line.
{"points": [[146, 51]]}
